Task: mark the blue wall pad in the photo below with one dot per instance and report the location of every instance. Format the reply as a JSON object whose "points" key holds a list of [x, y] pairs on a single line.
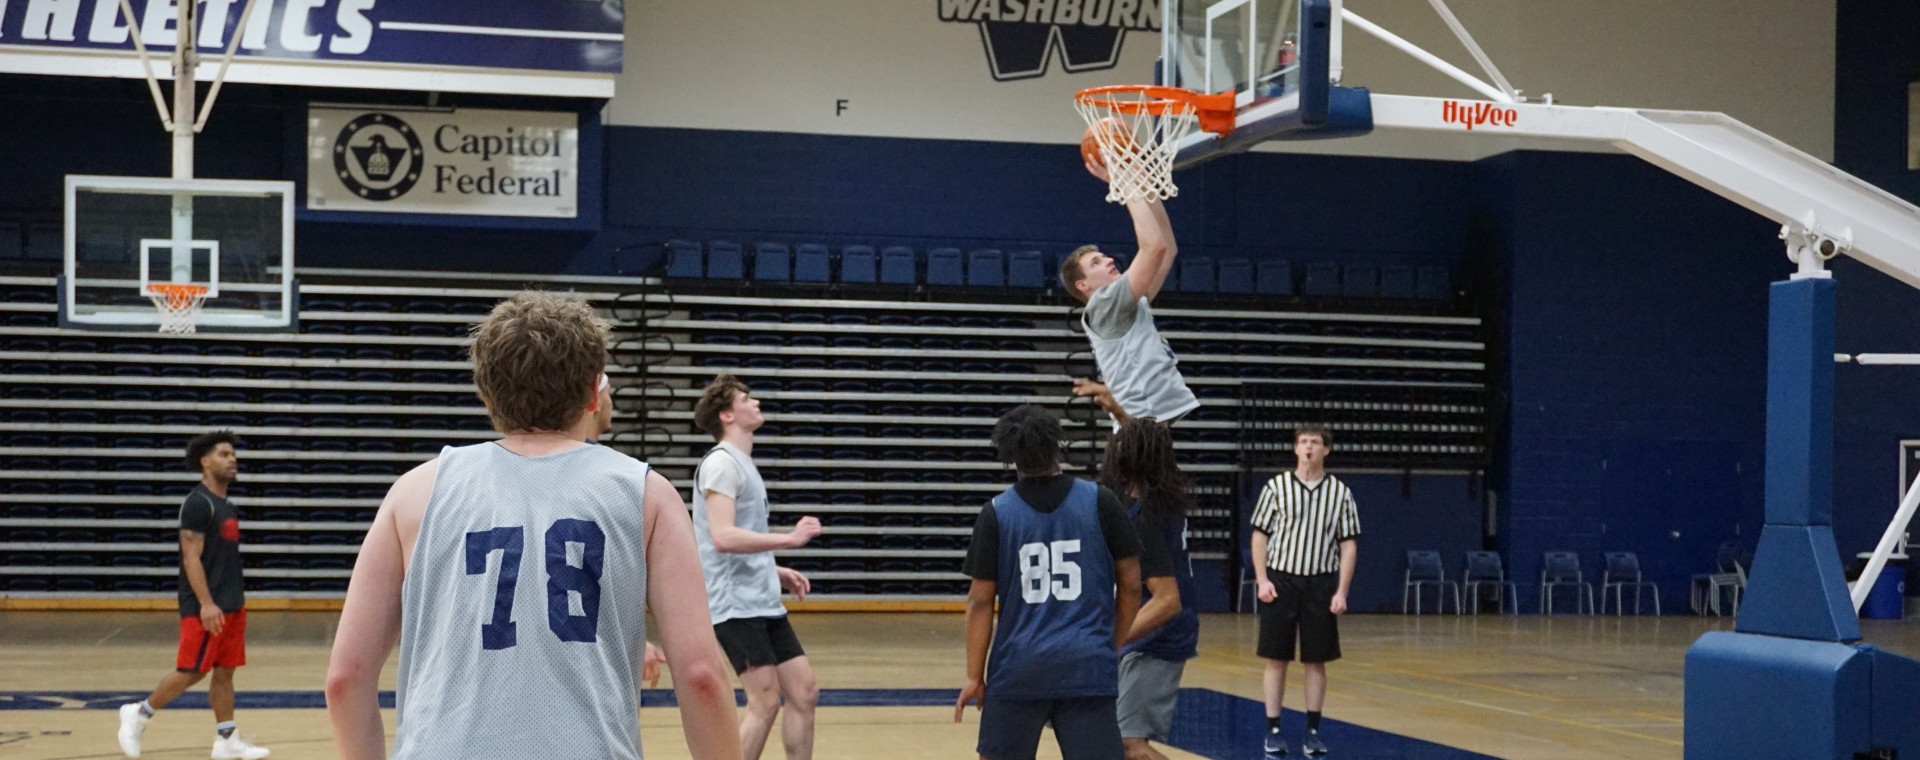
{"points": [[1896, 700], [1754, 697], [1797, 587]]}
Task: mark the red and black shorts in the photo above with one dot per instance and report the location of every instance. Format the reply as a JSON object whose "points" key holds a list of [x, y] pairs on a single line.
{"points": [[201, 652]]}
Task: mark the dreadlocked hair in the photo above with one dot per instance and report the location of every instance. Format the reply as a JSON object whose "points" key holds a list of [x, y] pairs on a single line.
{"points": [[1028, 437], [1140, 460]]}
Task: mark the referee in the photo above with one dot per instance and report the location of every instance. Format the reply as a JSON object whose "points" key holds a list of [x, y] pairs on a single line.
{"points": [[1305, 531]]}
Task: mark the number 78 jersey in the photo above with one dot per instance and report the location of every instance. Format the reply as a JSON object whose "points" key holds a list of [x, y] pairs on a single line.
{"points": [[523, 608], [1054, 638]]}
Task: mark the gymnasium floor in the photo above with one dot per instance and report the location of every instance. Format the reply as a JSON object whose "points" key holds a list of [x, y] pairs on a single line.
{"points": [[1567, 688]]}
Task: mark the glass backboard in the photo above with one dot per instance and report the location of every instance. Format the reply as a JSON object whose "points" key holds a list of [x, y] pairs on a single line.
{"points": [[233, 237]]}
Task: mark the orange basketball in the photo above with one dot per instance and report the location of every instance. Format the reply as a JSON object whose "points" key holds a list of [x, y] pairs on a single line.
{"points": [[1116, 131]]}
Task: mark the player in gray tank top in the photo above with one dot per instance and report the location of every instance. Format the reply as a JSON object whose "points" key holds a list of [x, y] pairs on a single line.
{"points": [[515, 576], [730, 523], [1140, 376]]}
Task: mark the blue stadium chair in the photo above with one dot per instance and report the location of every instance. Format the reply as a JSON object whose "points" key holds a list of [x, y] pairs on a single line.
{"points": [[684, 260], [899, 266], [13, 241], [1361, 281], [772, 262], [1274, 278], [1323, 280], [986, 268], [1196, 274], [1435, 284], [1026, 269], [1236, 276], [859, 265], [946, 267], [725, 262], [1396, 282], [812, 263]]}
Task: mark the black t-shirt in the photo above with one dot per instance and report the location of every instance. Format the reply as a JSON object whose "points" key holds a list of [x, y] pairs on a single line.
{"points": [[218, 522], [1046, 494]]}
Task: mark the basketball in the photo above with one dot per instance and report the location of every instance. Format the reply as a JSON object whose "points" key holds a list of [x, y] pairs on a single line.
{"points": [[1117, 132]]}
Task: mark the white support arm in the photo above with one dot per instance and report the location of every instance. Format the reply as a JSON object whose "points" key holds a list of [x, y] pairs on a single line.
{"points": [[1425, 57], [1888, 542], [1479, 55]]}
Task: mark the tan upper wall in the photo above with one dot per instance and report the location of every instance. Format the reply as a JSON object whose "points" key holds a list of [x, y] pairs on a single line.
{"points": [[904, 72]]}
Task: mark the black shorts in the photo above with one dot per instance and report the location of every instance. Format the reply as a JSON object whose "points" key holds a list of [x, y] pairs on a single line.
{"points": [[1302, 611], [753, 642], [1088, 728]]}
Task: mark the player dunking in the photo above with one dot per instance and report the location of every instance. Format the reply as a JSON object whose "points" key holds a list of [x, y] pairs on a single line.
{"points": [[516, 576], [1140, 373], [1047, 549], [213, 615]]}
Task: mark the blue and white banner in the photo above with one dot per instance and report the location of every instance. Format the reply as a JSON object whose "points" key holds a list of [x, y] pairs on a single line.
{"points": [[535, 47]]}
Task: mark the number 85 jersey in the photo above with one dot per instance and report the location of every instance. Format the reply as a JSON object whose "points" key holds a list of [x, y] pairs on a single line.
{"points": [[523, 621], [1054, 638]]}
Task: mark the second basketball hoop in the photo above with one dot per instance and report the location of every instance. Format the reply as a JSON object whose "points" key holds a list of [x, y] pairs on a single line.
{"points": [[1137, 130]]}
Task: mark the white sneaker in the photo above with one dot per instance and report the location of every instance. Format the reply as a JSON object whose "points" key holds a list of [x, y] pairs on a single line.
{"points": [[236, 748], [132, 725]]}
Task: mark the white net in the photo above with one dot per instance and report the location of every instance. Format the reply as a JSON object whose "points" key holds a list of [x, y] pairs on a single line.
{"points": [[179, 306], [1138, 134]]}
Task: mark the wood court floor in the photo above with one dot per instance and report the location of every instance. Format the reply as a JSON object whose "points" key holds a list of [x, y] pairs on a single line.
{"points": [[1567, 688]]}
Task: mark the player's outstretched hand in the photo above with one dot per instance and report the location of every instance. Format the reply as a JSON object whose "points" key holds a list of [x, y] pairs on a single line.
{"points": [[804, 531], [1085, 387], [974, 692], [1267, 592], [650, 665], [1099, 172], [795, 582]]}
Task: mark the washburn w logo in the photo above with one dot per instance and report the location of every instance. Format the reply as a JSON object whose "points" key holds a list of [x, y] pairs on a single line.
{"points": [[1020, 35]]}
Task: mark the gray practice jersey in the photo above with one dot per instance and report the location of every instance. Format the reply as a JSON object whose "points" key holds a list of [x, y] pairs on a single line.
{"points": [[523, 612], [1136, 363], [738, 585]]}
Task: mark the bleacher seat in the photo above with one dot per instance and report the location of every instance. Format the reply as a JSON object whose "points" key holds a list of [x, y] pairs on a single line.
{"points": [[986, 268], [859, 265], [1236, 276], [812, 263], [684, 260], [725, 261], [772, 262], [1396, 281], [1361, 281], [899, 266], [1026, 269], [1323, 280], [1434, 284], [946, 267], [1196, 274]]}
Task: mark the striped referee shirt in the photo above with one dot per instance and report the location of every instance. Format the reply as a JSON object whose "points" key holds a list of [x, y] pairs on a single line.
{"points": [[1305, 524]]}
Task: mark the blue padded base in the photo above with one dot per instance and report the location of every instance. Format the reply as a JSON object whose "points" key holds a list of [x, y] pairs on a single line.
{"points": [[1754, 697]]}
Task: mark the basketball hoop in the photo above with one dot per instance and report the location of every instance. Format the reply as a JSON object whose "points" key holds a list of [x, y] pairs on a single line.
{"points": [[179, 304], [1139, 127]]}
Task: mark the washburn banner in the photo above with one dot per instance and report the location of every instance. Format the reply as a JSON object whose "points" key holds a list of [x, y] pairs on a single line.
{"points": [[466, 161], [534, 47]]}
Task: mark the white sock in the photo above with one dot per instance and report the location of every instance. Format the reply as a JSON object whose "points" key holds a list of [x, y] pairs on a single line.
{"points": [[225, 729], [146, 709]]}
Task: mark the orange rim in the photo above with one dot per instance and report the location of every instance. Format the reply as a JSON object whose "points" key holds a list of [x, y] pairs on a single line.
{"points": [[1215, 111], [177, 293]]}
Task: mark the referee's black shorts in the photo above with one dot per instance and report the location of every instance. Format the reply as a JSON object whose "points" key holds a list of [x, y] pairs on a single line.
{"points": [[1302, 613]]}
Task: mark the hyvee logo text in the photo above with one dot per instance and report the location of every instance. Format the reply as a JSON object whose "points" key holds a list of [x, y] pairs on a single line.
{"points": [[1020, 35], [380, 157], [1473, 114]]}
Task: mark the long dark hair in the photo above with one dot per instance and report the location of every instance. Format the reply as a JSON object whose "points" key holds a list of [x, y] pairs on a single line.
{"points": [[1028, 437], [1140, 458]]}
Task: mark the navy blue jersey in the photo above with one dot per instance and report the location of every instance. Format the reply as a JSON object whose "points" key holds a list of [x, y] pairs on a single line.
{"points": [[1054, 639], [1177, 639]]}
